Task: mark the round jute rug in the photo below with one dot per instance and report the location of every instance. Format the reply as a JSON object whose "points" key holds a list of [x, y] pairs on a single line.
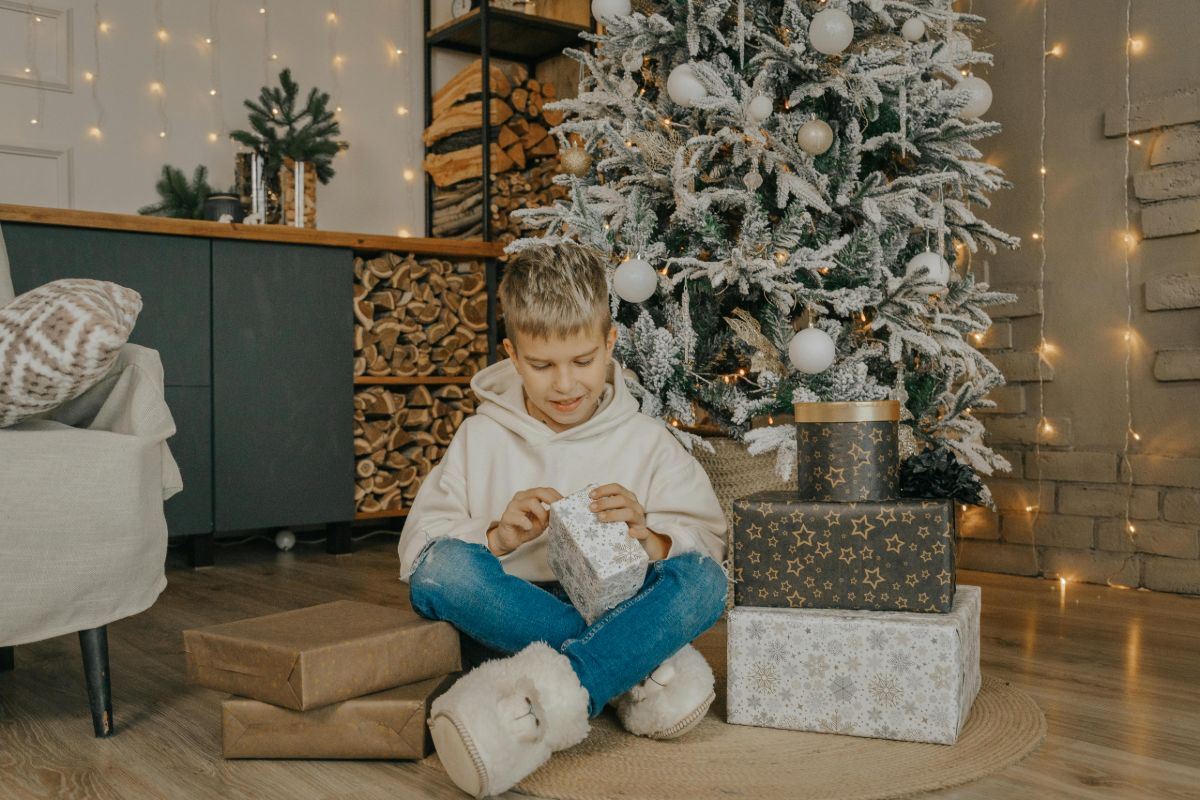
{"points": [[717, 760]]}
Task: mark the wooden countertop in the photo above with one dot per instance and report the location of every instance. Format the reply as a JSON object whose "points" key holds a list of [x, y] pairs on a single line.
{"points": [[447, 248]]}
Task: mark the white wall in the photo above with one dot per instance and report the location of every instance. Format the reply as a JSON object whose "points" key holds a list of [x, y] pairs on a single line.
{"points": [[57, 162]]}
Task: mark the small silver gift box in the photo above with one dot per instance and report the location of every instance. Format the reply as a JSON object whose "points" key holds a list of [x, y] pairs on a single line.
{"points": [[598, 563]]}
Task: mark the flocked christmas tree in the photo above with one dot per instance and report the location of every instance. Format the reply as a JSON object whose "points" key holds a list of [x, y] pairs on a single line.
{"points": [[792, 186]]}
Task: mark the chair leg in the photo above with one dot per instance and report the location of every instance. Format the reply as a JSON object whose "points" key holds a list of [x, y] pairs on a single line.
{"points": [[7, 660], [94, 645]]}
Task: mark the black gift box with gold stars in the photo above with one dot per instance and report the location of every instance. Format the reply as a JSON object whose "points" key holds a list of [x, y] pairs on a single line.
{"points": [[881, 555], [847, 451]]}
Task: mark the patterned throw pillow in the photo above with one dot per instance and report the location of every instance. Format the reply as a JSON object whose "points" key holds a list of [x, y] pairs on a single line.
{"points": [[58, 340]]}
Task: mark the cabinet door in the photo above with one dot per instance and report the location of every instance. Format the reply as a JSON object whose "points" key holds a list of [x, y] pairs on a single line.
{"points": [[170, 272], [283, 388]]}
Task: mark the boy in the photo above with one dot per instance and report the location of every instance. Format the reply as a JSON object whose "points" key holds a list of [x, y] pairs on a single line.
{"points": [[552, 419]]}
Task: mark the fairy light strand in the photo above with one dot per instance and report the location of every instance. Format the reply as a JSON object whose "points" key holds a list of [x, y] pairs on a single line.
{"points": [[215, 94], [264, 10], [97, 129], [1125, 444], [31, 65], [1042, 426], [159, 87], [334, 19]]}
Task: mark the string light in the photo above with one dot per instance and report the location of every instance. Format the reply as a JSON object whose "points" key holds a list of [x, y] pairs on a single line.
{"points": [[214, 72], [1136, 141], [163, 36], [1137, 45], [401, 111], [409, 175], [266, 32], [158, 87], [92, 75], [1056, 51], [105, 27], [31, 58], [212, 137]]}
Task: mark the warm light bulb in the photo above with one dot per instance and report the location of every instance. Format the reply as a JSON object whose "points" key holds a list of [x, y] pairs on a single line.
{"points": [[1047, 428], [1062, 583], [262, 10], [87, 76], [1057, 50], [212, 137], [978, 337], [212, 92], [33, 121], [275, 111], [1130, 239], [331, 17], [37, 19], [1137, 45], [964, 72], [1131, 528], [95, 132], [28, 70], [337, 61], [399, 51], [1136, 436], [274, 56], [104, 26], [1043, 170], [1029, 508], [409, 174], [156, 87], [163, 35], [1136, 141], [403, 232], [208, 40], [666, 122], [162, 134], [401, 110], [1035, 236], [337, 110]]}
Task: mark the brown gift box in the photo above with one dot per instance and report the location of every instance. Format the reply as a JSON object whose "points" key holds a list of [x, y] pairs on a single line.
{"points": [[312, 657], [388, 724]]}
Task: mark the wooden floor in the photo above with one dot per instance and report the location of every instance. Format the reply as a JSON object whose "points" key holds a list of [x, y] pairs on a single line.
{"points": [[1117, 673]]}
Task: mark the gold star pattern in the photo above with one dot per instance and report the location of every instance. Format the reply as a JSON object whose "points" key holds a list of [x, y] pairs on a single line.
{"points": [[872, 580], [944, 577], [923, 597], [754, 531], [841, 476], [755, 557], [902, 603], [862, 526], [894, 543], [772, 574], [833, 518], [846, 554], [823, 550], [908, 517], [795, 600], [886, 516], [794, 566], [911, 579], [877, 436], [923, 532], [938, 548], [773, 542], [804, 536]]}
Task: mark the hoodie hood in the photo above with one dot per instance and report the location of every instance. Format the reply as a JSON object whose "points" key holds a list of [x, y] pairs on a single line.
{"points": [[502, 398]]}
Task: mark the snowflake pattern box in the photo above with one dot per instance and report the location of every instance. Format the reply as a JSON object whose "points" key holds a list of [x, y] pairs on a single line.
{"points": [[883, 674], [883, 555], [598, 563]]}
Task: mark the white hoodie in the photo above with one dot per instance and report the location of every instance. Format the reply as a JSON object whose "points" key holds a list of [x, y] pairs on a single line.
{"points": [[502, 450]]}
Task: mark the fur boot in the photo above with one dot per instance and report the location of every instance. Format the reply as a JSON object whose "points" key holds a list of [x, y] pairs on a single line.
{"points": [[672, 700], [503, 719]]}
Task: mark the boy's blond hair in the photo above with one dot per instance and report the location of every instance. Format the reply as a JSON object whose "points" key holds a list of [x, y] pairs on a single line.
{"points": [[555, 290]]}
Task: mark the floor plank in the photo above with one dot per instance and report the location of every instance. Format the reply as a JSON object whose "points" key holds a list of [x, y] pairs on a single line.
{"points": [[1117, 673]]}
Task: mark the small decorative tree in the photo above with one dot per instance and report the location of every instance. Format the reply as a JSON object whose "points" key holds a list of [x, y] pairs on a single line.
{"points": [[280, 130], [180, 199]]}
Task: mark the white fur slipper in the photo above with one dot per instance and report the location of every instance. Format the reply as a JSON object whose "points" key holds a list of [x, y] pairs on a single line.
{"points": [[672, 700], [502, 720]]}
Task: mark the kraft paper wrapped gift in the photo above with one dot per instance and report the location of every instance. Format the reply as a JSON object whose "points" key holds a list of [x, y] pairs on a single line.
{"points": [[884, 674], [315, 656], [388, 724], [598, 563], [881, 555]]}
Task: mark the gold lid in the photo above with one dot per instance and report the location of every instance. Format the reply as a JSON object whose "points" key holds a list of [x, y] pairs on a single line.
{"points": [[862, 411]]}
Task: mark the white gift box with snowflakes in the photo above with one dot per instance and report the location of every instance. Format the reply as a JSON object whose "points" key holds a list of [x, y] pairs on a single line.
{"points": [[598, 563], [884, 674]]}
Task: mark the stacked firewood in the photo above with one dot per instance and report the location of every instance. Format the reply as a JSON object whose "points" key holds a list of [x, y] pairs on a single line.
{"points": [[399, 435], [523, 155], [419, 317]]}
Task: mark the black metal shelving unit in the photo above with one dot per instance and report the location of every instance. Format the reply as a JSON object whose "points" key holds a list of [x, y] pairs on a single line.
{"points": [[509, 35]]}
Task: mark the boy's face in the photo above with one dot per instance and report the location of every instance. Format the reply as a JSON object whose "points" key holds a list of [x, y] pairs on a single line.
{"points": [[564, 376]]}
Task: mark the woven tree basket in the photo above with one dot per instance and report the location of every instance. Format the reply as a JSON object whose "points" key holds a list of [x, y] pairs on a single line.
{"points": [[735, 473]]}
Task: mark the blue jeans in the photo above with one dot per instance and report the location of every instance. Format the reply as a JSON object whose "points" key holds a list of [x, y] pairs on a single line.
{"points": [[465, 585]]}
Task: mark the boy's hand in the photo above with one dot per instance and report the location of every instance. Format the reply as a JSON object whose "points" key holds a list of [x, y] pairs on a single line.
{"points": [[523, 520], [612, 502]]}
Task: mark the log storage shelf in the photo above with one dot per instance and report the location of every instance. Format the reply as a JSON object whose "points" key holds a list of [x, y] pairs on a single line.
{"points": [[420, 313]]}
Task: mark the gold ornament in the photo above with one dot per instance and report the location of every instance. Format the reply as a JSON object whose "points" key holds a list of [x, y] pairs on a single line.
{"points": [[575, 161]]}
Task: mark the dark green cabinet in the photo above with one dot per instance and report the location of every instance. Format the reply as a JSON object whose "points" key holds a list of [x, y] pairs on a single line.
{"points": [[256, 343]]}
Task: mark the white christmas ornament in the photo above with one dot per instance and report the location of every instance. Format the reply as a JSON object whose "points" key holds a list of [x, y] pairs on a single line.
{"points": [[979, 97], [612, 9], [760, 108], [285, 540], [815, 137], [913, 30], [831, 31], [811, 351], [635, 280], [939, 271], [684, 87]]}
